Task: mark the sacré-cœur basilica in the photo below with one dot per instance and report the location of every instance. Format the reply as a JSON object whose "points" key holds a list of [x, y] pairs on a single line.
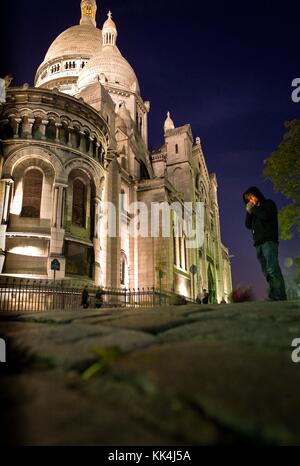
{"points": [[79, 137]]}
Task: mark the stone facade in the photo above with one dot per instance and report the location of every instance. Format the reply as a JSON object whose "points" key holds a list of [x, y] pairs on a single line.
{"points": [[79, 137]]}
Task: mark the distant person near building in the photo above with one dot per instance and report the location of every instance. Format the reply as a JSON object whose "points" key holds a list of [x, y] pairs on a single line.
{"points": [[85, 298], [205, 297], [99, 298]]}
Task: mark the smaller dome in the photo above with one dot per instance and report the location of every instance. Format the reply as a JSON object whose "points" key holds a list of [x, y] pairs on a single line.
{"points": [[109, 32], [110, 64], [169, 124], [109, 23]]}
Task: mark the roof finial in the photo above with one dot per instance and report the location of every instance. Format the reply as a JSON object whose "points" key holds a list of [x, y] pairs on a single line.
{"points": [[169, 124], [109, 14], [88, 12]]}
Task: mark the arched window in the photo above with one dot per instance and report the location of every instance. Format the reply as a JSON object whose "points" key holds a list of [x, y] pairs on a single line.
{"points": [[182, 253], [123, 269], [123, 206], [176, 148], [32, 193], [79, 201]]}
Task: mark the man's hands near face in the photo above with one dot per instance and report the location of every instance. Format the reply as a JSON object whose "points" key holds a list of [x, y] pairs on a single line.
{"points": [[252, 201], [249, 207]]}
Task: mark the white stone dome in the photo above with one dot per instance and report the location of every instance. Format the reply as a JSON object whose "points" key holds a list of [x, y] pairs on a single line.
{"points": [[70, 52], [117, 71], [83, 39]]}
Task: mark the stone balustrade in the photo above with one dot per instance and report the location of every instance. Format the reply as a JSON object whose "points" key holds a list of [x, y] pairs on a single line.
{"points": [[53, 117]]}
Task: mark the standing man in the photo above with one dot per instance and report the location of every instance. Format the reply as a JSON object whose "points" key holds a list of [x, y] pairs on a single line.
{"points": [[262, 220]]}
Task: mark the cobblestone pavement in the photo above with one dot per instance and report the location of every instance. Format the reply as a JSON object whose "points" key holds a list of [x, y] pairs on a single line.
{"points": [[180, 375]]}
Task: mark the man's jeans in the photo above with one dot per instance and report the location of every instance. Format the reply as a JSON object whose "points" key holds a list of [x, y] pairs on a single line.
{"points": [[267, 254]]}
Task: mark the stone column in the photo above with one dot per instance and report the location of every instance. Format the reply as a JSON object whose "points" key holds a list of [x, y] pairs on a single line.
{"points": [[43, 127], [63, 205], [59, 207], [113, 242], [58, 126], [177, 251], [54, 206], [57, 230], [133, 246], [59, 198], [97, 150], [96, 242], [70, 134], [145, 128], [6, 200], [27, 128], [17, 127], [91, 147], [96, 216], [6, 191], [82, 146]]}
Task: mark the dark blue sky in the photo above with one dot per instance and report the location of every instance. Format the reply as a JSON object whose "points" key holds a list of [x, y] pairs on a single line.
{"points": [[224, 67]]}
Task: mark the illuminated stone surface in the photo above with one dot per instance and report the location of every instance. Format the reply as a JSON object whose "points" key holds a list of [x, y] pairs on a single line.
{"points": [[84, 129]]}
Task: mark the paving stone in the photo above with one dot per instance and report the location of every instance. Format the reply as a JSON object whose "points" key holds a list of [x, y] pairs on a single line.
{"points": [[185, 375], [72, 346], [44, 409], [247, 390]]}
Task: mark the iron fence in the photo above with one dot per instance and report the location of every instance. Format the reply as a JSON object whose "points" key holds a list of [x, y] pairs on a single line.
{"points": [[44, 295], [39, 295]]}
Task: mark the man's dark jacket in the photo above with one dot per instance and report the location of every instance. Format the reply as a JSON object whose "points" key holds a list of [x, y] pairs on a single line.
{"points": [[263, 220]]}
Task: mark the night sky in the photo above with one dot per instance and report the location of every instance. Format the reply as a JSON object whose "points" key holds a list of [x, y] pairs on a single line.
{"points": [[226, 68]]}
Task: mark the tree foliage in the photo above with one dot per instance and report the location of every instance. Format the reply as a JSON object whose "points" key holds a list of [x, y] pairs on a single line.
{"points": [[283, 169]]}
